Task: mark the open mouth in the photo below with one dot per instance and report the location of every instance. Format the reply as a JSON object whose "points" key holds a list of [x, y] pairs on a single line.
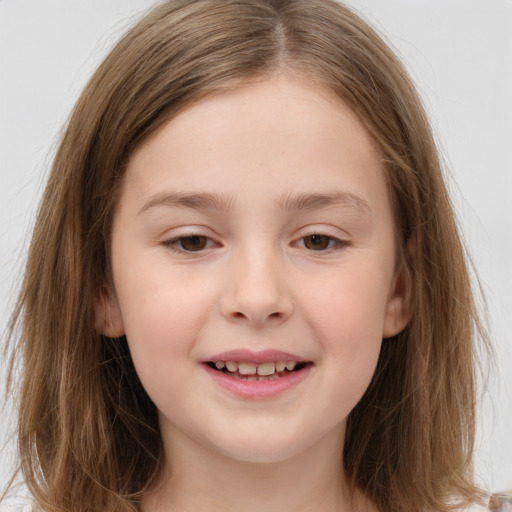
{"points": [[257, 371]]}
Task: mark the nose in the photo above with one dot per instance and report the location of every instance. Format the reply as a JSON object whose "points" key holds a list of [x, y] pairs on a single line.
{"points": [[256, 292]]}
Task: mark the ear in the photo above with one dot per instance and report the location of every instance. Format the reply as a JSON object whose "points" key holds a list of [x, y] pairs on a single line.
{"points": [[400, 306], [107, 314]]}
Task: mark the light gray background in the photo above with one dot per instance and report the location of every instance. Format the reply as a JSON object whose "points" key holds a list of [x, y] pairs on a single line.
{"points": [[460, 55]]}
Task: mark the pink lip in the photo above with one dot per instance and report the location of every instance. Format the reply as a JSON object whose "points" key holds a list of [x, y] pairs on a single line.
{"points": [[248, 356], [254, 389]]}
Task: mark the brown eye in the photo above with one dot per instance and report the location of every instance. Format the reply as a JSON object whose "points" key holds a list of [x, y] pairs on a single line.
{"points": [[193, 243], [318, 242]]}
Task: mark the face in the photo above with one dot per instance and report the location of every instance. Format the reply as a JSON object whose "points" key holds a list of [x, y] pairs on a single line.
{"points": [[255, 272]]}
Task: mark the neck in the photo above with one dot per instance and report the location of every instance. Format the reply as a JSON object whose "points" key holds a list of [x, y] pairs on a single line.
{"points": [[202, 479]]}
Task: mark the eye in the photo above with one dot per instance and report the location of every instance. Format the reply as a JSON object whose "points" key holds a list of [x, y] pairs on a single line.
{"points": [[319, 242], [190, 243]]}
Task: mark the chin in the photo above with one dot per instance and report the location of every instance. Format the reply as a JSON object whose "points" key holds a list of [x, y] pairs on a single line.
{"points": [[264, 448], [261, 454]]}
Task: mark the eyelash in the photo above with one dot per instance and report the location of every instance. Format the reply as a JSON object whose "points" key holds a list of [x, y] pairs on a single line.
{"points": [[338, 244], [172, 244]]}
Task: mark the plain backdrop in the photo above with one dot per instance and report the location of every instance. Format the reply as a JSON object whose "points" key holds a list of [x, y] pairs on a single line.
{"points": [[459, 53]]}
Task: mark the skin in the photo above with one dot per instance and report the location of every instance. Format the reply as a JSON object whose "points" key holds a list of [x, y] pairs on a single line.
{"points": [[256, 282]]}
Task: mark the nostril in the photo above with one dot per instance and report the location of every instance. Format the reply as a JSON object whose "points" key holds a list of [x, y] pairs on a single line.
{"points": [[238, 314], [257, 316]]}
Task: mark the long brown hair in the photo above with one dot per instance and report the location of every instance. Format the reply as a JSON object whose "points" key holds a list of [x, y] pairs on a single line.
{"points": [[88, 434]]}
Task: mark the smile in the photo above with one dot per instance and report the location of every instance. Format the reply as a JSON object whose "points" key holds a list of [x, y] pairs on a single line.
{"points": [[256, 372], [257, 375]]}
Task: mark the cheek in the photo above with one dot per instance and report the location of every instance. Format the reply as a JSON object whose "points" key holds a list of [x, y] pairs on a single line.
{"points": [[163, 319], [347, 308], [346, 316]]}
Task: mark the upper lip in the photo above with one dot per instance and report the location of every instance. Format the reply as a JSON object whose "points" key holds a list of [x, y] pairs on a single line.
{"points": [[250, 356]]}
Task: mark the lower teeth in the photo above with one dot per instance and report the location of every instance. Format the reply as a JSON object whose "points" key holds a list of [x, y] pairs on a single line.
{"points": [[255, 377], [238, 375]]}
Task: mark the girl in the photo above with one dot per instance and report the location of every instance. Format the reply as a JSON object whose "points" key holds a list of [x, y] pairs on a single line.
{"points": [[246, 288]]}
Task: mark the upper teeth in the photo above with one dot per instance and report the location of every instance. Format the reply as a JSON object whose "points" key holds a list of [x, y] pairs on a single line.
{"points": [[256, 369]]}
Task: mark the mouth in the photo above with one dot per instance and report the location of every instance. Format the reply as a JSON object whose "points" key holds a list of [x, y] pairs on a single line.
{"points": [[261, 375], [249, 371]]}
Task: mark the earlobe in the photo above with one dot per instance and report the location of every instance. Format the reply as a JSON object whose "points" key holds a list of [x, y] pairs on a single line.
{"points": [[108, 320], [400, 306]]}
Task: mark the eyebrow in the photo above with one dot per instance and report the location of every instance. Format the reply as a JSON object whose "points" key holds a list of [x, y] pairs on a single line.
{"points": [[195, 201], [289, 202], [316, 201]]}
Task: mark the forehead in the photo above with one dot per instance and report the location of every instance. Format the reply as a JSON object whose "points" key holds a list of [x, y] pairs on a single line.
{"points": [[280, 135]]}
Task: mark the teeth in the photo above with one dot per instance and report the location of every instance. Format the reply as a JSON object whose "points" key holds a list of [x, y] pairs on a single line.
{"points": [[232, 366], [280, 366], [266, 369], [247, 368], [253, 369]]}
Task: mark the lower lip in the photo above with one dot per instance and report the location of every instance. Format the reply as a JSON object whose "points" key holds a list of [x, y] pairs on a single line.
{"points": [[258, 389]]}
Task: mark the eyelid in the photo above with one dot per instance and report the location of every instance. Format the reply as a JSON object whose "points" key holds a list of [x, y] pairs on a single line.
{"points": [[170, 241], [339, 244], [323, 229], [342, 240]]}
